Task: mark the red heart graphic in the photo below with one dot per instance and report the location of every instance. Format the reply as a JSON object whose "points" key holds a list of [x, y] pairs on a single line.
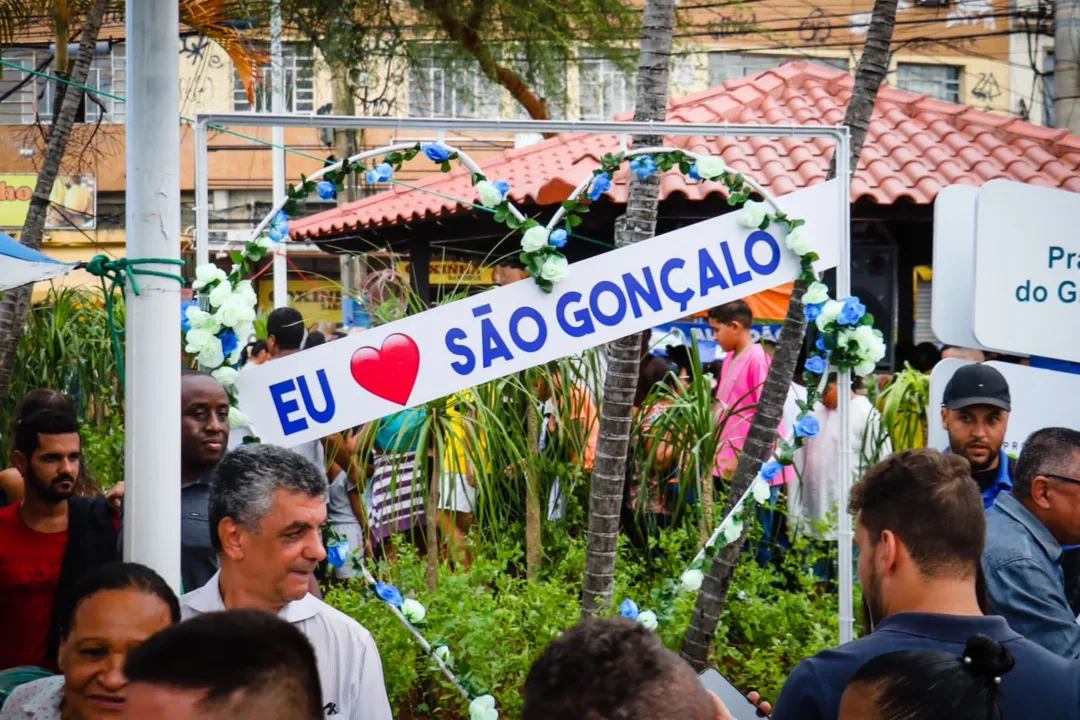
{"points": [[389, 373]]}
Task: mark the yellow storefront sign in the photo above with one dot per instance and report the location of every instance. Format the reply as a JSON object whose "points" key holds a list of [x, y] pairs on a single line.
{"points": [[318, 301], [73, 203], [453, 272]]}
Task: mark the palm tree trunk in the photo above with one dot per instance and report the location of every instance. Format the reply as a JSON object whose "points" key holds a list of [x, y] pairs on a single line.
{"points": [[706, 484], [871, 71], [532, 490], [639, 223], [15, 303]]}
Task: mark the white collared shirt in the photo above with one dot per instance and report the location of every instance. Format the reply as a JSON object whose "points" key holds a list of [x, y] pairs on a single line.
{"points": [[350, 669], [36, 700]]}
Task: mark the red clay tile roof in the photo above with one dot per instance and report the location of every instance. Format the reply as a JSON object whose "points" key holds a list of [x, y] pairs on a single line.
{"points": [[916, 146]]}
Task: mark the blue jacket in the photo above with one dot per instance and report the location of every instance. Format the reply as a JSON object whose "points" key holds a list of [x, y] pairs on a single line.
{"points": [[1002, 482], [1025, 580]]}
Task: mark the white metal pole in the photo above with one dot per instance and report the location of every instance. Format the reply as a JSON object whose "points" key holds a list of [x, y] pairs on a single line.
{"points": [[202, 197], [843, 289], [277, 106], [152, 448]]}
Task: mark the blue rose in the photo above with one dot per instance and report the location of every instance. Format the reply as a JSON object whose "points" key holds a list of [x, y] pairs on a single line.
{"points": [[389, 593], [229, 342], [557, 238], [437, 153], [279, 228], [185, 324], [338, 554], [808, 427], [502, 186], [817, 365], [812, 312], [643, 167], [380, 173], [770, 470], [852, 312], [822, 345], [327, 190], [600, 185], [629, 609], [694, 173]]}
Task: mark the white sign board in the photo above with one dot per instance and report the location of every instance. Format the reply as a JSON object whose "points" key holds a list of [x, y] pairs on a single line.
{"points": [[1027, 270], [953, 289], [1040, 398], [475, 340]]}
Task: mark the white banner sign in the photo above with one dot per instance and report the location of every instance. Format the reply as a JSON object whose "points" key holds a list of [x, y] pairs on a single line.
{"points": [[953, 303], [1040, 398], [1027, 270], [475, 340]]}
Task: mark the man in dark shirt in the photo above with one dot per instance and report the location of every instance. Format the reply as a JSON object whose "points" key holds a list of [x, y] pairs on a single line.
{"points": [[975, 413], [204, 436], [920, 529]]}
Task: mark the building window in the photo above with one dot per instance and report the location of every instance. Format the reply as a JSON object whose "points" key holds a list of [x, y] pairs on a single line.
{"points": [[35, 96], [937, 81], [724, 66], [299, 70], [441, 85], [605, 90]]}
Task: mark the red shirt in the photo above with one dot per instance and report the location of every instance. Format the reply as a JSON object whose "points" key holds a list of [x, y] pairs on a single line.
{"points": [[30, 563]]}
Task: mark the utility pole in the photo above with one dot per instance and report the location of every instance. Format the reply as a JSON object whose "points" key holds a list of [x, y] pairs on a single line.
{"points": [[152, 388], [1067, 64], [277, 106], [345, 147]]}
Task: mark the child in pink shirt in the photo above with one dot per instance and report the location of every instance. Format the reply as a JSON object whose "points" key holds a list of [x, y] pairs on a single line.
{"points": [[742, 379]]}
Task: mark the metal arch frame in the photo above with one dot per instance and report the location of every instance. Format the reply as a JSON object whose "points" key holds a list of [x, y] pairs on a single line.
{"points": [[840, 135]]}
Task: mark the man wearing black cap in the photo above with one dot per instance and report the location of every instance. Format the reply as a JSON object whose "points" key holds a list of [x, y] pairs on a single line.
{"points": [[975, 413]]}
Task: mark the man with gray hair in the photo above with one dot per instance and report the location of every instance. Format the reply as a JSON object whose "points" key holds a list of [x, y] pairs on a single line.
{"points": [[1025, 534], [267, 509]]}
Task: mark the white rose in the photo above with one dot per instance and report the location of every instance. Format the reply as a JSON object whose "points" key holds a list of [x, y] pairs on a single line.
{"points": [[246, 290], [555, 268], [197, 338], [237, 419], [691, 580], [818, 292], [753, 214], [648, 619], [483, 708], [236, 310], [443, 653], [210, 354], [413, 611], [226, 376], [829, 312], [264, 242], [871, 343], [535, 238], [711, 167], [865, 368], [733, 530], [798, 241], [761, 491], [208, 274], [489, 194], [201, 320], [220, 294], [234, 358]]}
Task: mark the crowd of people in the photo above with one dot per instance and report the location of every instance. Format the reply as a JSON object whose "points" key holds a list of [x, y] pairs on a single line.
{"points": [[963, 559]]}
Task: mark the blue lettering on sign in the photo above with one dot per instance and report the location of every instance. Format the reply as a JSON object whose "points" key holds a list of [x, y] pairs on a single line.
{"points": [[584, 324], [287, 407], [767, 268], [578, 314]]}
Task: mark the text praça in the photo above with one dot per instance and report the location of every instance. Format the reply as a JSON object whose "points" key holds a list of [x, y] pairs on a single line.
{"points": [[607, 303], [1067, 290]]}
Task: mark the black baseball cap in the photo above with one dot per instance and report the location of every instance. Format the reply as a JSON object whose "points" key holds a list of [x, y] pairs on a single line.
{"points": [[977, 384]]}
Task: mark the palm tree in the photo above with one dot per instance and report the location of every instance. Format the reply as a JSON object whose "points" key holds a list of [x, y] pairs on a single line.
{"points": [[209, 17], [16, 302], [759, 443], [639, 223]]}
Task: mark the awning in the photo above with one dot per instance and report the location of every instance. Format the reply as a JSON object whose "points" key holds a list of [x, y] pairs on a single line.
{"points": [[20, 265]]}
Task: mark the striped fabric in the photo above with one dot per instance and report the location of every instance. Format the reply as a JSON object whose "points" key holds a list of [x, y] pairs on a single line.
{"points": [[395, 504]]}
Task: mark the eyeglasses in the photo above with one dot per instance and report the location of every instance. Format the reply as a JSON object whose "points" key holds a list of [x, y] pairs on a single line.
{"points": [[1062, 478]]}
